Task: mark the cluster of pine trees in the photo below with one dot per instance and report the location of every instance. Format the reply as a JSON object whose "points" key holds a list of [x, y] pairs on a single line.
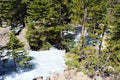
{"points": [[48, 19]]}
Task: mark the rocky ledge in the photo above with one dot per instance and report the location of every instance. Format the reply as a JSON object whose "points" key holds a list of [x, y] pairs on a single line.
{"points": [[73, 74]]}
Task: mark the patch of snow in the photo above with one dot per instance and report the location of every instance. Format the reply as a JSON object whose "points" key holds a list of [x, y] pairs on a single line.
{"points": [[46, 64], [77, 38]]}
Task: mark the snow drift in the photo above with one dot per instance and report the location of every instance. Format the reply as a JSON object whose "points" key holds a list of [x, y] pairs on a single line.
{"points": [[46, 63]]}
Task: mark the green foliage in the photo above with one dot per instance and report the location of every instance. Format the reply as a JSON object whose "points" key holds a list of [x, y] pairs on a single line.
{"points": [[72, 60], [90, 64], [48, 19], [113, 39], [19, 58], [24, 60], [46, 46], [12, 11], [14, 43], [48, 23], [33, 36]]}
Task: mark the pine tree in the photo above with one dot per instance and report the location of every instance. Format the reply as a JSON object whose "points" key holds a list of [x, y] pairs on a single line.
{"points": [[79, 10], [19, 12], [113, 38], [16, 46], [97, 22], [48, 20], [13, 12], [5, 8]]}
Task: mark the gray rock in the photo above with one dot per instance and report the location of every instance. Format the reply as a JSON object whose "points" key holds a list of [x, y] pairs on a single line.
{"points": [[4, 33]]}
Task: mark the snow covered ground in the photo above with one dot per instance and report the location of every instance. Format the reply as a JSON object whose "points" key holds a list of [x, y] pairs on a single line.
{"points": [[46, 63]]}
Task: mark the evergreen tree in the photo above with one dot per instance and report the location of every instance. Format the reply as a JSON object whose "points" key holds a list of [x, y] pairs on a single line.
{"points": [[5, 9], [13, 12], [97, 22], [18, 12], [113, 38], [49, 21], [16, 46]]}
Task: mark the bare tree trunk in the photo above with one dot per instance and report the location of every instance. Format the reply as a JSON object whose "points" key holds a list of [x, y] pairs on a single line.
{"points": [[84, 20], [83, 27]]}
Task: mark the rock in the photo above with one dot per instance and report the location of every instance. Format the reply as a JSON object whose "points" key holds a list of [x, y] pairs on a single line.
{"points": [[23, 39], [106, 78], [61, 77], [98, 78], [110, 68], [53, 78], [73, 73], [4, 37], [38, 78], [82, 76], [70, 74]]}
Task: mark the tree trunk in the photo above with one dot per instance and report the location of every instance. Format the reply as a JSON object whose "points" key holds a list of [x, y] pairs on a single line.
{"points": [[83, 28], [100, 46], [0, 22], [84, 20], [15, 67]]}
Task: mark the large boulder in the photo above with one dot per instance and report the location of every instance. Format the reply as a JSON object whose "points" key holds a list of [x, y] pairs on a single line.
{"points": [[4, 37]]}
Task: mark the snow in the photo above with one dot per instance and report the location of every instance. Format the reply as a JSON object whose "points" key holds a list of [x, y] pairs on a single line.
{"points": [[46, 64]]}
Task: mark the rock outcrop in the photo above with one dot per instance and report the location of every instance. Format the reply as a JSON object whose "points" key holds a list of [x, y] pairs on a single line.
{"points": [[71, 74], [4, 39]]}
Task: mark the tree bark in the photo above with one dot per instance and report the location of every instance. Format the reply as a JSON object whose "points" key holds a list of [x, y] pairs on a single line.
{"points": [[15, 67], [83, 28], [84, 20], [100, 46], [0, 22]]}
